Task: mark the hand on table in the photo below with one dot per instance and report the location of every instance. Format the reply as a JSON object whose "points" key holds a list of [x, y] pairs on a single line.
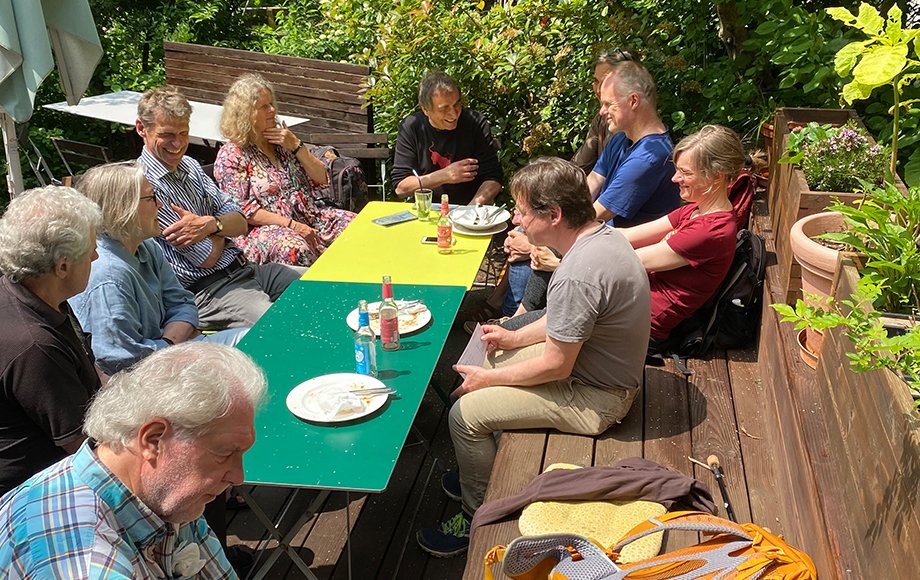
{"points": [[189, 229], [541, 258], [462, 171]]}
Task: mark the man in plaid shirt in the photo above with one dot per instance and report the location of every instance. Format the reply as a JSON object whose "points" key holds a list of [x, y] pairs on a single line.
{"points": [[165, 438]]}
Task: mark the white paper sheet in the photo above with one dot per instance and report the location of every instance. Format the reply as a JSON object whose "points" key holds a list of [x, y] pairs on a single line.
{"points": [[475, 352]]}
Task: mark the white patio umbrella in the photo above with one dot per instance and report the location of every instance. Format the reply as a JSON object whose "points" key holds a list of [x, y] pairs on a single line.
{"points": [[29, 31]]}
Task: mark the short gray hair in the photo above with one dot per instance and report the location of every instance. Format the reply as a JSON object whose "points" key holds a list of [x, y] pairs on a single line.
{"points": [[166, 100], [191, 385], [43, 225], [435, 82], [116, 187], [629, 77]]}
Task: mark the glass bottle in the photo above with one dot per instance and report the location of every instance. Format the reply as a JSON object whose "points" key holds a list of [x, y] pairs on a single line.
{"points": [[445, 229], [389, 318], [365, 343]]}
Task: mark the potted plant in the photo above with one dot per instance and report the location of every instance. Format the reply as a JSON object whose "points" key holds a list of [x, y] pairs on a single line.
{"points": [[884, 231]]}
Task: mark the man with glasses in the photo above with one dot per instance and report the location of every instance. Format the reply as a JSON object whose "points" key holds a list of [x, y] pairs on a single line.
{"points": [[631, 182], [577, 369], [449, 147]]}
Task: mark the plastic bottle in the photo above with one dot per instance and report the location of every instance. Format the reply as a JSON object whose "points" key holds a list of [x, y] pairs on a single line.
{"points": [[365, 343], [389, 318], [445, 229]]}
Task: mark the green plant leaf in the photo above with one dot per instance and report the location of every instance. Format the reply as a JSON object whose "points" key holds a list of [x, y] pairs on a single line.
{"points": [[912, 170], [880, 65], [854, 91], [841, 14], [869, 20], [845, 59]]}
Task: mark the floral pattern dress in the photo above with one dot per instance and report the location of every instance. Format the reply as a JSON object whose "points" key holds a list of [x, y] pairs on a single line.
{"points": [[254, 182]]}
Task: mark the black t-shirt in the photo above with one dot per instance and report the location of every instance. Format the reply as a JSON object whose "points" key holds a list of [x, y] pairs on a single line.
{"points": [[421, 147], [47, 377]]}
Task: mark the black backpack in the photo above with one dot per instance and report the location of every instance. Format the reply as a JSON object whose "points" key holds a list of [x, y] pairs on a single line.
{"points": [[347, 187], [731, 317]]}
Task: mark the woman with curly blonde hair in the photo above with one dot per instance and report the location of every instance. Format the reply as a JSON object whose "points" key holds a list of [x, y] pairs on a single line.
{"points": [[274, 178]]}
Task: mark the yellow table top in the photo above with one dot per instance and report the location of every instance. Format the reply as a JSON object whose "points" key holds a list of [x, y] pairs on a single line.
{"points": [[365, 252]]}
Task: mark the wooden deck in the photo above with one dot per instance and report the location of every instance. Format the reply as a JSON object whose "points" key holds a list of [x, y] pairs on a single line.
{"points": [[717, 410]]}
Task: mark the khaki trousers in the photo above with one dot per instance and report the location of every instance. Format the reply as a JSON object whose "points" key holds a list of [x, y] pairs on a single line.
{"points": [[567, 405]]}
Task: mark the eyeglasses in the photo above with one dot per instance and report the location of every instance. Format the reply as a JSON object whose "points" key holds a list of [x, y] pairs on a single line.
{"points": [[149, 197]]}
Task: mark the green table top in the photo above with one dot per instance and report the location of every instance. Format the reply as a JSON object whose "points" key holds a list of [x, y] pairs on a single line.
{"points": [[304, 335]]}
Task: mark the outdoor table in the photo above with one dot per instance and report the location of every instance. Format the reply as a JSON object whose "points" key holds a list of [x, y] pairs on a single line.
{"points": [[366, 251], [121, 107], [304, 335]]}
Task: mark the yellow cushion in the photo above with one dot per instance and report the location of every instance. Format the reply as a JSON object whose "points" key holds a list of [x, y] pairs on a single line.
{"points": [[604, 521]]}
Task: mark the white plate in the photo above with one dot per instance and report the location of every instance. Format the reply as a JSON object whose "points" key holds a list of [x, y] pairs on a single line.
{"points": [[465, 216], [496, 229], [407, 322], [302, 399]]}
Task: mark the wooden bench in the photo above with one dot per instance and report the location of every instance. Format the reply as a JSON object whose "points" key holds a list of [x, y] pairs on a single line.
{"points": [[717, 410], [329, 94]]}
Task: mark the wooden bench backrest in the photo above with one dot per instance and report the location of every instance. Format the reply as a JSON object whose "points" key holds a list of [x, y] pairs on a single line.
{"points": [[330, 94]]}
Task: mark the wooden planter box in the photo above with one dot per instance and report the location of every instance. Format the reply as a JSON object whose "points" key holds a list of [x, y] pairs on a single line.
{"points": [[789, 197], [871, 450]]}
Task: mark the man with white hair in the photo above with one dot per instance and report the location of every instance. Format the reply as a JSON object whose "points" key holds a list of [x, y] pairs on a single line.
{"points": [[133, 304], [165, 437], [47, 369]]}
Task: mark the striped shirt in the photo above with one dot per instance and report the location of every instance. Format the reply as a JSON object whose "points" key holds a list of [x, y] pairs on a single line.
{"points": [[75, 519], [189, 188]]}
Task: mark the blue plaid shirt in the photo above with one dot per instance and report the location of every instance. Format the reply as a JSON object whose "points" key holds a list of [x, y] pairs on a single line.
{"points": [[75, 519], [189, 188]]}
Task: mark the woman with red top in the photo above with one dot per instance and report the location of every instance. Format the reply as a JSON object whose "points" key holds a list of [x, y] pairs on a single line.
{"points": [[688, 252], [274, 178]]}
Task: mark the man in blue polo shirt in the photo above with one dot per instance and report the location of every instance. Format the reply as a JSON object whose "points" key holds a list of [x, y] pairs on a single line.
{"points": [[631, 182]]}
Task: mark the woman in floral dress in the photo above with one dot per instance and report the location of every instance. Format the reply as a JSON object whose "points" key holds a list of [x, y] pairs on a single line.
{"points": [[275, 179]]}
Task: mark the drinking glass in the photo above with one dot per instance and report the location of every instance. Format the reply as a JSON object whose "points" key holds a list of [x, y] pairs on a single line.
{"points": [[422, 203]]}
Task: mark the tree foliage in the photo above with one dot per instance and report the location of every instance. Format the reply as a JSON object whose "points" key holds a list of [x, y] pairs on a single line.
{"points": [[524, 63]]}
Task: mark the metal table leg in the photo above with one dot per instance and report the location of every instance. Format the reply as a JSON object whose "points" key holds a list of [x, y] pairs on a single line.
{"points": [[283, 539]]}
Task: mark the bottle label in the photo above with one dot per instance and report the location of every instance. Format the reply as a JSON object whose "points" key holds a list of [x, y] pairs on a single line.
{"points": [[362, 359], [389, 330], [444, 236]]}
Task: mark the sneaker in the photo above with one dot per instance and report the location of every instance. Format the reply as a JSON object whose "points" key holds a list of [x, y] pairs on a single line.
{"points": [[470, 325], [452, 539], [450, 484]]}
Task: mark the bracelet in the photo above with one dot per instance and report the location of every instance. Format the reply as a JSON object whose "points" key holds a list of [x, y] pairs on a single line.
{"points": [[168, 341], [290, 221], [298, 148]]}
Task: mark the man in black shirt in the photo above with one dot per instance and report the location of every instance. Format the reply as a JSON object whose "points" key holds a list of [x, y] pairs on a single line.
{"points": [[47, 370], [451, 147]]}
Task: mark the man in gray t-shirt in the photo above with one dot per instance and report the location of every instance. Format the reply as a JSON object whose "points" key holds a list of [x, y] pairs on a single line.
{"points": [[578, 368]]}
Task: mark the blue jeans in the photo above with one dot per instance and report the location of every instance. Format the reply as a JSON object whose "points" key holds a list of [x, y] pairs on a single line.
{"points": [[518, 274]]}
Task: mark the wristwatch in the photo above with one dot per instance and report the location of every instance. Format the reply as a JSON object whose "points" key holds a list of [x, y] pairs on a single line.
{"points": [[298, 148], [220, 226]]}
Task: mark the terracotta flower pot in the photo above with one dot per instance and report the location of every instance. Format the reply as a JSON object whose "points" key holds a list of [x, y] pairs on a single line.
{"points": [[818, 262]]}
